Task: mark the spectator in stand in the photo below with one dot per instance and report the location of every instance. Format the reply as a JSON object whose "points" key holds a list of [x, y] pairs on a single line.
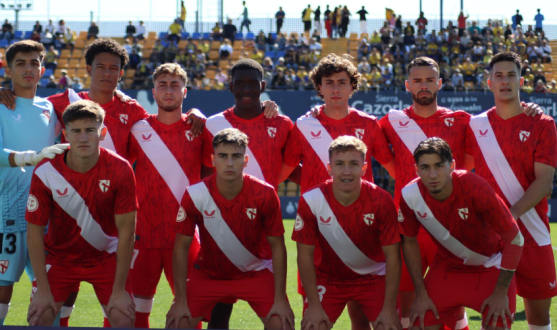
{"points": [[141, 31], [473, 28], [229, 31], [477, 52], [36, 36], [182, 18], [540, 76], [50, 26], [448, 86], [306, 18], [528, 86], [364, 67], [475, 38], [540, 87], [51, 58], [363, 50], [7, 30], [225, 49], [317, 19], [279, 16], [51, 82], [553, 87], [68, 39], [141, 75], [344, 22], [461, 23], [468, 70], [61, 29], [93, 31], [314, 45], [38, 27], [216, 32], [221, 76], [260, 41], [539, 22], [135, 59], [130, 31], [279, 80], [545, 50], [398, 25], [532, 51], [517, 20], [538, 65], [335, 22], [245, 19], [488, 29], [175, 31], [77, 84], [47, 38], [457, 78], [421, 23], [127, 46], [375, 78], [64, 81], [327, 18], [270, 42]]}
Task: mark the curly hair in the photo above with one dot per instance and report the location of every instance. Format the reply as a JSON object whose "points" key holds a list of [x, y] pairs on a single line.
{"points": [[332, 64], [106, 45]]}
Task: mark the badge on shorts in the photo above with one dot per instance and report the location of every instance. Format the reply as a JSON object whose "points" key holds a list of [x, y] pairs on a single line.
{"points": [[4, 266]]}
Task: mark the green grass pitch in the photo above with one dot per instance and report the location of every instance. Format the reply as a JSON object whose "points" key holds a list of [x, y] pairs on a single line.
{"points": [[87, 312]]}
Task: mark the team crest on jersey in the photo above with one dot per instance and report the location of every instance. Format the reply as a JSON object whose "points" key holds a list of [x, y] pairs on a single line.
{"points": [[17, 119], [400, 216], [181, 215], [251, 213], [463, 213], [124, 118], [449, 121], [146, 138], [272, 131], [62, 193], [299, 224], [552, 285], [423, 216], [189, 136], [360, 133], [210, 215], [524, 135], [483, 134], [104, 184], [4, 266], [325, 221], [46, 113], [403, 124], [316, 135], [368, 218], [32, 203]]}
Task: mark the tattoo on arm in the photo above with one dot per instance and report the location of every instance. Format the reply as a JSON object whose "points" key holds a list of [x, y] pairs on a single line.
{"points": [[505, 277]]}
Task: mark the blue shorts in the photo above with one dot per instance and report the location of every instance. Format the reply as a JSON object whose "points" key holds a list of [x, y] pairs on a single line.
{"points": [[14, 258]]}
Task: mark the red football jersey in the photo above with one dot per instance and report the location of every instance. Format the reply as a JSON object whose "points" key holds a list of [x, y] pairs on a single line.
{"points": [[524, 140], [301, 142], [369, 223], [449, 125], [168, 161], [79, 208], [233, 233], [267, 141], [472, 219], [119, 119]]}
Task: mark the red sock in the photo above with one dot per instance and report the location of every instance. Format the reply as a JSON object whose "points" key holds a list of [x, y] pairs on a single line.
{"points": [[64, 321], [199, 325], [142, 320], [106, 323]]}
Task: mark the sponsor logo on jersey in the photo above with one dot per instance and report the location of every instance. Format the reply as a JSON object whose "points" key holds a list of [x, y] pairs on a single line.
{"points": [[400, 216], [423, 216], [251, 213], [62, 193], [482, 134], [463, 213], [553, 285], [104, 184], [46, 113], [368, 218], [524, 135], [146, 138], [449, 121], [299, 224], [272, 131], [124, 118], [189, 136], [181, 215], [209, 214], [316, 135], [32, 203], [403, 124], [4, 266], [360, 133], [325, 221], [17, 119]]}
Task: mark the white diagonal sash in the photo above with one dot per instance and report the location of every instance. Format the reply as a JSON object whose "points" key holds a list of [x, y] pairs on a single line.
{"points": [[407, 129], [228, 243], [107, 143], [337, 238], [162, 159], [416, 202], [310, 127], [75, 207], [216, 124], [505, 177]]}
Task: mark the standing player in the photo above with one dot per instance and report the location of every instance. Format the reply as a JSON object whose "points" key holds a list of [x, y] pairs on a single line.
{"points": [[168, 161], [32, 126], [87, 198], [479, 243], [354, 225], [335, 78], [517, 155], [242, 253]]}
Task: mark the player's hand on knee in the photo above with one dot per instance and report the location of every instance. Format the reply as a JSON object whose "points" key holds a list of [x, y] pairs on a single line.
{"points": [[270, 109], [197, 120], [419, 308], [122, 97], [388, 319], [283, 310], [41, 302], [498, 307], [7, 98], [314, 316], [178, 311], [532, 109], [122, 302]]}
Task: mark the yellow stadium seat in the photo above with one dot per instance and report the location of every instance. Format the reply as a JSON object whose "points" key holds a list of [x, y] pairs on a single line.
{"points": [[73, 64], [82, 35], [79, 44], [291, 189], [210, 74], [215, 45], [76, 54], [213, 55], [130, 73], [66, 53], [152, 35], [147, 53]]}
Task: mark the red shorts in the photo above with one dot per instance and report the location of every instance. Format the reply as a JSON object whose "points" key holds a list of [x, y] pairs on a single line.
{"points": [[451, 291], [64, 280], [334, 297], [203, 292], [148, 265], [535, 274], [427, 252]]}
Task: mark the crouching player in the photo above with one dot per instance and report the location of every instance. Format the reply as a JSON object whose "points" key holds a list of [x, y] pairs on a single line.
{"points": [[479, 243], [86, 196], [242, 253], [354, 224]]}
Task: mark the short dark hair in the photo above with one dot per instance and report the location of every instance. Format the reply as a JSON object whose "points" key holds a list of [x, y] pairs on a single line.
{"points": [[332, 64], [246, 64], [434, 145], [506, 57], [25, 46], [230, 137], [106, 45], [422, 61], [83, 109]]}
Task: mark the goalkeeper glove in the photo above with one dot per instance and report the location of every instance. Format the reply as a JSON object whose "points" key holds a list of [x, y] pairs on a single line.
{"points": [[32, 158]]}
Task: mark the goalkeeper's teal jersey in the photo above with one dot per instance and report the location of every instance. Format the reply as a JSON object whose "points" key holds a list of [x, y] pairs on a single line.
{"points": [[32, 126]]}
